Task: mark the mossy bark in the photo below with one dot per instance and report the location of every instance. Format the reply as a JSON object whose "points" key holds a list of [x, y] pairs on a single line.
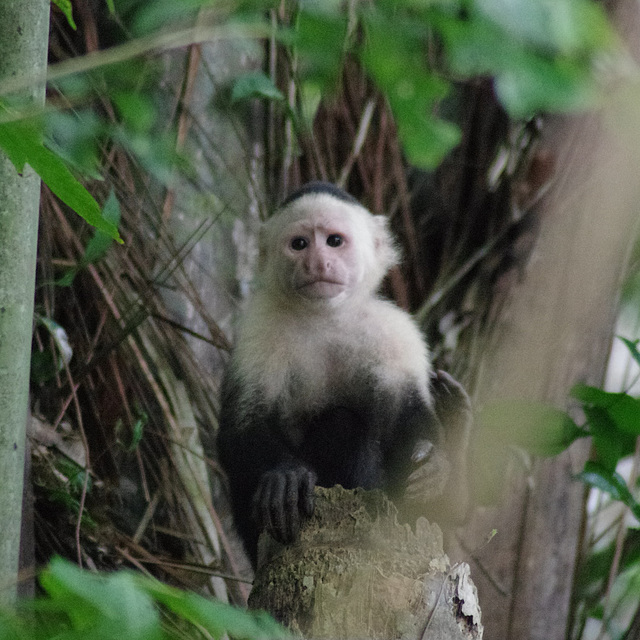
{"points": [[357, 573]]}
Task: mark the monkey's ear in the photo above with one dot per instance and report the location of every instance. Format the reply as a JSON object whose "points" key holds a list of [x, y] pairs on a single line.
{"points": [[387, 251]]}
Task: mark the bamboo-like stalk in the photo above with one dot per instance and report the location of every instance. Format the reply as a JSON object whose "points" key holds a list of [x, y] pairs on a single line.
{"points": [[23, 54]]}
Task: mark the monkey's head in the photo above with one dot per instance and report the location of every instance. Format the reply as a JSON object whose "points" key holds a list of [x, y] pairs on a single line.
{"points": [[323, 246]]}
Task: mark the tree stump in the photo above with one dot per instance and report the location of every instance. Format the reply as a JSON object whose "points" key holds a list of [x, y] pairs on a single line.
{"points": [[357, 573]]}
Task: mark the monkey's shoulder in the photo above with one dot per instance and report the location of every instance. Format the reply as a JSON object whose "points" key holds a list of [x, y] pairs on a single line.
{"points": [[399, 349]]}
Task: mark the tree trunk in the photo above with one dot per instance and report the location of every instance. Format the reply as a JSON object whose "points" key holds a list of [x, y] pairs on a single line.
{"points": [[357, 573], [24, 31], [554, 332]]}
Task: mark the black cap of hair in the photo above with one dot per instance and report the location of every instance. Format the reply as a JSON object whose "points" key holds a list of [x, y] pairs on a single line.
{"points": [[319, 186]]}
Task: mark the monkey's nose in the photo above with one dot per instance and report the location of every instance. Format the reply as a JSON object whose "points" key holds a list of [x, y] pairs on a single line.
{"points": [[318, 265]]}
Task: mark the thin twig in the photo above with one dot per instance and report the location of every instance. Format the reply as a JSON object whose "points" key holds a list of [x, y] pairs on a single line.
{"points": [[135, 48], [87, 463], [483, 252], [183, 121], [361, 135]]}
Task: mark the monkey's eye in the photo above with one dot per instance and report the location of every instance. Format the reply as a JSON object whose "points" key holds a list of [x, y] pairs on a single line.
{"points": [[335, 240], [299, 243]]}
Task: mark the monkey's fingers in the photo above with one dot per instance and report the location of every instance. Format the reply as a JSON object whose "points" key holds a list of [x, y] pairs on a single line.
{"points": [[307, 498], [449, 392], [288, 511], [429, 480], [298, 502], [279, 513], [266, 494], [283, 497]]}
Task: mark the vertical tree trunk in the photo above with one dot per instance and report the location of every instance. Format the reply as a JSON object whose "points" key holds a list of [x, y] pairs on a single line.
{"points": [[24, 34], [555, 331]]}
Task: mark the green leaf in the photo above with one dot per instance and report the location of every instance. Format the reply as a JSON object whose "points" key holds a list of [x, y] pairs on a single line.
{"points": [[67, 9], [526, 80], [160, 14], [633, 348], [610, 443], [564, 26], [425, 141], [157, 154], [320, 40], [393, 56], [537, 428], [136, 109], [592, 395], [611, 483], [137, 431], [540, 84], [75, 475], [75, 137], [255, 84], [20, 140], [476, 46], [216, 617], [101, 241], [109, 606], [106, 606], [623, 408]]}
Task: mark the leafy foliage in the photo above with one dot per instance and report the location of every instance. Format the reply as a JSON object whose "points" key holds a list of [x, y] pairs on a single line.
{"points": [[610, 482], [67, 9], [81, 604], [611, 419], [60, 145], [21, 142], [609, 577], [542, 57]]}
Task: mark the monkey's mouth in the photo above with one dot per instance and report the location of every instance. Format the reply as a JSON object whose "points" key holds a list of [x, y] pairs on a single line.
{"points": [[321, 288]]}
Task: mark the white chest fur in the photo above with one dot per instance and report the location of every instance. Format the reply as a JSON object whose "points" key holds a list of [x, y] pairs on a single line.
{"points": [[299, 360]]}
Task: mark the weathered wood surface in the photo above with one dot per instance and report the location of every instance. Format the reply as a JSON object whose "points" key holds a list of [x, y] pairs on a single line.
{"points": [[357, 573]]}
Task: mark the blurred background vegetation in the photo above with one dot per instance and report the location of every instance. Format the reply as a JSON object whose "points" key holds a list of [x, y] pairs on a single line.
{"points": [[188, 122]]}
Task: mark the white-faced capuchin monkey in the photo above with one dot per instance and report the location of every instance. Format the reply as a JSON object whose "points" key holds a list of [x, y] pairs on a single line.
{"points": [[331, 384]]}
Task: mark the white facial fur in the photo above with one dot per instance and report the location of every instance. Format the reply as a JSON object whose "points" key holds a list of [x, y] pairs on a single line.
{"points": [[320, 248]]}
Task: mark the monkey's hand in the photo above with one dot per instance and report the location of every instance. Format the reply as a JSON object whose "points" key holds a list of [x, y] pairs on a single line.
{"points": [[430, 475], [284, 497], [451, 400]]}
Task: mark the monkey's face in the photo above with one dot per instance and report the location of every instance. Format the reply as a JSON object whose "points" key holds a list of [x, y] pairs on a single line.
{"points": [[320, 258], [322, 249]]}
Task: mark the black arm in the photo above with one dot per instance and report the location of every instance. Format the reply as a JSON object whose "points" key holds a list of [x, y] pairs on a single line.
{"points": [[450, 503], [270, 488], [415, 460]]}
